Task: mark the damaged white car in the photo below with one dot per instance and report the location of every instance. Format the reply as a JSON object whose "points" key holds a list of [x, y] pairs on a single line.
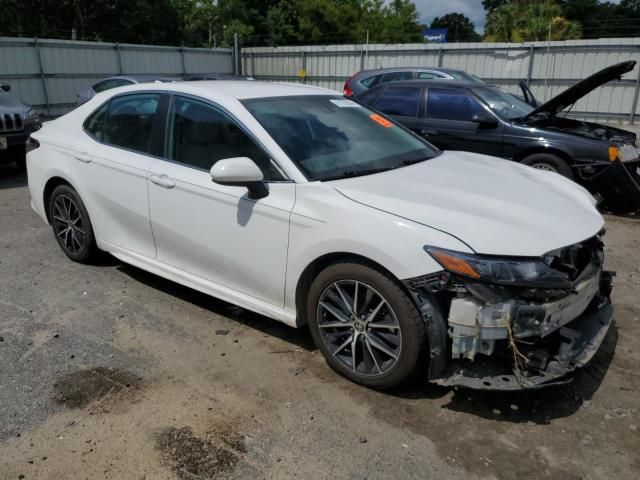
{"points": [[312, 209]]}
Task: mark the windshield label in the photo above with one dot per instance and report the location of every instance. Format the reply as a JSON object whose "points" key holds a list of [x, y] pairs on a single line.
{"points": [[381, 120], [343, 103]]}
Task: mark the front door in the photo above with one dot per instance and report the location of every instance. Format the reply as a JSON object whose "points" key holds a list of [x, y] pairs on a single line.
{"points": [[448, 123], [213, 231]]}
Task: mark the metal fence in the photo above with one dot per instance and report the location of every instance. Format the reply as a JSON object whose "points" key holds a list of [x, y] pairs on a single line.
{"points": [[48, 74], [548, 67]]}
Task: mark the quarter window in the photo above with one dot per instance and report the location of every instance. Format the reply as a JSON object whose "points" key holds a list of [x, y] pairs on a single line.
{"points": [[129, 120], [94, 124], [399, 101], [450, 104], [371, 82], [199, 135]]}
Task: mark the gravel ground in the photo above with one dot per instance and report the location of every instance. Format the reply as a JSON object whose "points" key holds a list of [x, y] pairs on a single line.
{"points": [[110, 372]]}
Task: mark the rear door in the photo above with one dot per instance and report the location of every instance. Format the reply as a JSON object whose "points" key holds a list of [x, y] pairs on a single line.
{"points": [[402, 103], [447, 122]]}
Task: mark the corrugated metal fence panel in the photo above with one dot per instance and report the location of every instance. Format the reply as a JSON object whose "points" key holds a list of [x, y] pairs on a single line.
{"points": [[49, 73], [554, 66]]}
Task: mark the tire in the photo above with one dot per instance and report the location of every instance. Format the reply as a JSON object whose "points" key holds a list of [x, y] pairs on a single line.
{"points": [[397, 327], [71, 225], [549, 162]]}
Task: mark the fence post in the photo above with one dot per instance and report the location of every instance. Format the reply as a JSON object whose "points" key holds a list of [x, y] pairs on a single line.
{"points": [[530, 67], [120, 69], [45, 87], [236, 55], [634, 103], [253, 64], [440, 55], [304, 66], [184, 63]]}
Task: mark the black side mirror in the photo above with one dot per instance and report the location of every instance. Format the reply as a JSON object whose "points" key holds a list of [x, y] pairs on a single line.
{"points": [[484, 120], [5, 87]]}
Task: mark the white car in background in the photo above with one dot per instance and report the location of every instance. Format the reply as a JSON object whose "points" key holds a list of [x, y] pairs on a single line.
{"points": [[309, 208]]}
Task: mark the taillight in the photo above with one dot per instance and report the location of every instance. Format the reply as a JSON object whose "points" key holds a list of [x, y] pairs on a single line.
{"points": [[32, 144], [347, 88]]}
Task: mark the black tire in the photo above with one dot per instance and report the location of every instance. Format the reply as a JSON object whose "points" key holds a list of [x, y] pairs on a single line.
{"points": [[399, 308], [79, 248], [550, 162]]}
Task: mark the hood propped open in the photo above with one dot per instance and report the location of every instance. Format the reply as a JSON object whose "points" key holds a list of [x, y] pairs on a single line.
{"points": [[574, 93]]}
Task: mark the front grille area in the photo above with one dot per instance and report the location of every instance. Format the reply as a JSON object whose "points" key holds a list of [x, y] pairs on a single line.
{"points": [[11, 122]]}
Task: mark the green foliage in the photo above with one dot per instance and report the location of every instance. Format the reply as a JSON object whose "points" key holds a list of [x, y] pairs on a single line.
{"points": [[214, 22], [530, 20], [461, 29]]}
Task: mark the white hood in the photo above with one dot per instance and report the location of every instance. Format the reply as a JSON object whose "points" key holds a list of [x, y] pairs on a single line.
{"points": [[495, 206]]}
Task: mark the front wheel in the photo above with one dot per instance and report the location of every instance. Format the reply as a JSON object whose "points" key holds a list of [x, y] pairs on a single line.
{"points": [[549, 163], [366, 326], [71, 225]]}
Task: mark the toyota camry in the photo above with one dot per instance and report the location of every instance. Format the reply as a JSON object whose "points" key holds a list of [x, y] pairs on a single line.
{"points": [[311, 209]]}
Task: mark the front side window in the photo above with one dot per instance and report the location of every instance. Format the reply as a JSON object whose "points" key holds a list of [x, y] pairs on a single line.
{"points": [[129, 120], [330, 137], [199, 135], [450, 104], [399, 101]]}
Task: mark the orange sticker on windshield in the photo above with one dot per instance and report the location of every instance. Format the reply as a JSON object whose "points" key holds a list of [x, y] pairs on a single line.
{"points": [[381, 120]]}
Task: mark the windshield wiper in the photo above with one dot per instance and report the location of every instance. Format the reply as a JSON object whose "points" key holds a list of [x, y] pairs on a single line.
{"points": [[355, 173], [416, 160]]}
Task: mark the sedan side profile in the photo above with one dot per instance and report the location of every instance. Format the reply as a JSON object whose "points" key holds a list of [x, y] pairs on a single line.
{"points": [[311, 209]]}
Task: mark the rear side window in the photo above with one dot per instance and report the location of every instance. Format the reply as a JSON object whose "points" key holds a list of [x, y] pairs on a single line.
{"points": [[429, 75], [449, 104], [94, 124], [399, 101], [109, 84], [371, 81], [396, 76], [199, 135], [128, 122]]}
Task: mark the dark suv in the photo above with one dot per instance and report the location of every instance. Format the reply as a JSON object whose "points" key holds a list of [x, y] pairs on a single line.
{"points": [[17, 121], [467, 116]]}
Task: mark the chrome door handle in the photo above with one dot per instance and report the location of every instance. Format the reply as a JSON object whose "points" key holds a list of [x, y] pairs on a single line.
{"points": [[83, 157], [162, 181]]}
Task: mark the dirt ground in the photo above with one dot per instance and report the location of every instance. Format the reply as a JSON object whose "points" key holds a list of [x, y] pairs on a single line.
{"points": [[110, 372]]}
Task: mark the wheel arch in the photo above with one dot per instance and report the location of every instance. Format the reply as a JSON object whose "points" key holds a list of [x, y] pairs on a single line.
{"points": [[49, 187], [316, 266], [522, 154]]}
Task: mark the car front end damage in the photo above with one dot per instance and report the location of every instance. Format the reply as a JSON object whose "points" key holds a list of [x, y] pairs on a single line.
{"points": [[514, 323]]}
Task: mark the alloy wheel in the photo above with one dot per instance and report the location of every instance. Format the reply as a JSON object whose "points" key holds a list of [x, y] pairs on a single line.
{"points": [[67, 224], [544, 166], [359, 327]]}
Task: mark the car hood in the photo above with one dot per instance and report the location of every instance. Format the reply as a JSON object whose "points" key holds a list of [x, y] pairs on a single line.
{"points": [[10, 104], [495, 206], [574, 93]]}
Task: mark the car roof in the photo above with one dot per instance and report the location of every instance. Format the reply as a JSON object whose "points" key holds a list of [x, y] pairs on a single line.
{"points": [[139, 78], [426, 83], [238, 89], [411, 69]]}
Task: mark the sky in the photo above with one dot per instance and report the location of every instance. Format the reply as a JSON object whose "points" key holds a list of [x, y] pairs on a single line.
{"points": [[428, 9]]}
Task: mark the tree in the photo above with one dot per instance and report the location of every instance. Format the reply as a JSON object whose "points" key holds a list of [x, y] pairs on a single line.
{"points": [[491, 5], [528, 20], [460, 28]]}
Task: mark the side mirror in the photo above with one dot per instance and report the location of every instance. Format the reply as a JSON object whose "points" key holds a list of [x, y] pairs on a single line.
{"points": [[240, 171], [484, 120], [5, 87]]}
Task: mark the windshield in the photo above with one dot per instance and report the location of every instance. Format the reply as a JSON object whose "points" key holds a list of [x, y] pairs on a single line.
{"points": [[331, 137], [505, 105]]}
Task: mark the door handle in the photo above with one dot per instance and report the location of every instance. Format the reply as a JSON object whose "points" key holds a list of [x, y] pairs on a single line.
{"points": [[428, 131], [83, 157], [162, 181]]}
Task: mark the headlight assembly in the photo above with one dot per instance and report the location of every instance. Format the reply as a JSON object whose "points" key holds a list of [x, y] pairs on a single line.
{"points": [[524, 272]]}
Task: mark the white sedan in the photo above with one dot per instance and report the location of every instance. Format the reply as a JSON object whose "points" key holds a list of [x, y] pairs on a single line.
{"points": [[309, 208]]}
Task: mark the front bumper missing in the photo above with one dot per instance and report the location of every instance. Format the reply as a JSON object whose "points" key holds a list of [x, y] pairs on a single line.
{"points": [[582, 339], [475, 345]]}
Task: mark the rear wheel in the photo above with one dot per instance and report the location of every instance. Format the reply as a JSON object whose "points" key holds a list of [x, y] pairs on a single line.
{"points": [[365, 325], [71, 225], [549, 163]]}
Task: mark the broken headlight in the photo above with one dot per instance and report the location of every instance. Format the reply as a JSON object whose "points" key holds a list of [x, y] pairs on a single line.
{"points": [[524, 272]]}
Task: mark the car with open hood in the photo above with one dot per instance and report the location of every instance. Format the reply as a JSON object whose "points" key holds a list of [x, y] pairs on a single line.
{"points": [[314, 210], [483, 119], [17, 121]]}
